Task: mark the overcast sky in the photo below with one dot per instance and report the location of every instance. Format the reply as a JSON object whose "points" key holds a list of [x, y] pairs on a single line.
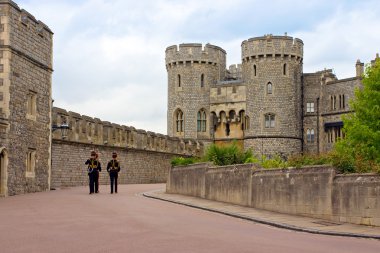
{"points": [[109, 55]]}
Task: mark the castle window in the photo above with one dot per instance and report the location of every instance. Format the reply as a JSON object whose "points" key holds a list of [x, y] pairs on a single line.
{"points": [[269, 120], [219, 91], [228, 130], [310, 107], [231, 114], [201, 121], [343, 102], [179, 121], [310, 135], [89, 129], [202, 80], [334, 103], [254, 70], [179, 80], [30, 163], [284, 69], [269, 88], [31, 104]]}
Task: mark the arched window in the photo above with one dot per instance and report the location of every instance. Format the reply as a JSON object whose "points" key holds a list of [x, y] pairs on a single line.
{"points": [[343, 102], [254, 70], [201, 121], [269, 120], [202, 80], [231, 114], [179, 121], [269, 88], [284, 69], [179, 80], [214, 120], [312, 135]]}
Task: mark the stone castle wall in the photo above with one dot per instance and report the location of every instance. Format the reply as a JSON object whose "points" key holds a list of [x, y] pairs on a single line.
{"points": [[144, 156], [25, 70], [314, 191]]}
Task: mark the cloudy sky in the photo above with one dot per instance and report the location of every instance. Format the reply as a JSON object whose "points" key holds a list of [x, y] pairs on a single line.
{"points": [[109, 55]]}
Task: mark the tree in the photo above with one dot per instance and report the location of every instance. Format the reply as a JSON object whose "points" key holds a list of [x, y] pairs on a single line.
{"points": [[360, 150]]}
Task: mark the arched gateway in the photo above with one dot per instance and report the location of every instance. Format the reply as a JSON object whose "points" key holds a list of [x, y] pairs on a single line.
{"points": [[3, 171]]}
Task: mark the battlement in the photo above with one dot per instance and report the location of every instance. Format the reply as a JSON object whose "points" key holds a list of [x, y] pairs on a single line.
{"points": [[25, 35], [272, 46], [194, 53], [88, 130]]}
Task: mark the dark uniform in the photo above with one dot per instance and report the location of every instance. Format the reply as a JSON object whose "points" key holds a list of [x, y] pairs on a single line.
{"points": [[94, 168], [113, 168]]}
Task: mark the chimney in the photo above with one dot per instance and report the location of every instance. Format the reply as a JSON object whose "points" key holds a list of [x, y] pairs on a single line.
{"points": [[373, 61], [359, 68]]}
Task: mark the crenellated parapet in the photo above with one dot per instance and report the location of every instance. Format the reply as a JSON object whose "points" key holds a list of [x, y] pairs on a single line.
{"points": [[93, 131], [272, 46], [194, 53]]}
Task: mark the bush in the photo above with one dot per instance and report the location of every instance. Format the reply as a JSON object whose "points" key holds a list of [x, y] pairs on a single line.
{"points": [[275, 162], [309, 159], [227, 155], [176, 161]]}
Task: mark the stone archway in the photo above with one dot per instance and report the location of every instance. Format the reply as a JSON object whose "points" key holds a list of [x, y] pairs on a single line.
{"points": [[3, 172]]}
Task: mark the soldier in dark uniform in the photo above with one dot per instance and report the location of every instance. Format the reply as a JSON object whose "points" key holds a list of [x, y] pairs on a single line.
{"points": [[93, 172], [113, 168]]}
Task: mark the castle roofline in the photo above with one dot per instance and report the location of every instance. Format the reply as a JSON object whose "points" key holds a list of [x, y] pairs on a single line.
{"points": [[194, 45], [270, 36]]}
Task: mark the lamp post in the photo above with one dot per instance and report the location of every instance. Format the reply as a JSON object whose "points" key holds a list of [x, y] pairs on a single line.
{"points": [[64, 127]]}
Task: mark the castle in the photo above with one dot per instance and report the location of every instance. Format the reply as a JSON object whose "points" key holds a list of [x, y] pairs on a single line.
{"points": [[266, 103]]}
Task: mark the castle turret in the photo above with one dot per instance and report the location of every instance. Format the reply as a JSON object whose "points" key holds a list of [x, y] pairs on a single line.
{"points": [[191, 70], [272, 71]]}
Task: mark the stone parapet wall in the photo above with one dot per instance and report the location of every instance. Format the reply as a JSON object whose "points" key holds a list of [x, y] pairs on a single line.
{"points": [[313, 191], [208, 54], [93, 131], [144, 156], [272, 45]]}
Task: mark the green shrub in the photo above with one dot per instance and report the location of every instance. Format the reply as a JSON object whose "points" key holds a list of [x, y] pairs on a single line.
{"points": [[275, 162], [309, 159], [176, 161], [227, 155]]}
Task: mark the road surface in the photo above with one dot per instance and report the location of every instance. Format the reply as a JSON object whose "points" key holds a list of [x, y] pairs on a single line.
{"points": [[71, 220]]}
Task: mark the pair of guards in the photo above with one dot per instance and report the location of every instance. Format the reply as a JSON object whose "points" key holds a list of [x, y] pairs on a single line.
{"points": [[94, 167]]}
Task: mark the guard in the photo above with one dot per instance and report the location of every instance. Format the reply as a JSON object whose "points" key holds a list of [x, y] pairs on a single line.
{"points": [[113, 168], [94, 168]]}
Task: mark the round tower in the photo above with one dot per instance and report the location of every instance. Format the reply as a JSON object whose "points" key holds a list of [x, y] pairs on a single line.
{"points": [[272, 71], [191, 69]]}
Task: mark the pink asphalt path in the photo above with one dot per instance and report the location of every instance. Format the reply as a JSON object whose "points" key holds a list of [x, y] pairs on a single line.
{"points": [[71, 220]]}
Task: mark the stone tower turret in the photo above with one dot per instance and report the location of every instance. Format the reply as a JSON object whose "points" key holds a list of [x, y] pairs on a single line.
{"points": [[191, 70], [272, 71]]}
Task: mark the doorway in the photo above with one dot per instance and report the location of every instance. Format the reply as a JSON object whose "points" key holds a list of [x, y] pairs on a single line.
{"points": [[3, 172]]}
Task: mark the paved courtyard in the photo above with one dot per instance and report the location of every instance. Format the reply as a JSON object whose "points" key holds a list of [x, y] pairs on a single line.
{"points": [[71, 220]]}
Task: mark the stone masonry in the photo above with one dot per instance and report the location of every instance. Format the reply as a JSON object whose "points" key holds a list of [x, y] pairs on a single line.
{"points": [[267, 103], [144, 156], [25, 101]]}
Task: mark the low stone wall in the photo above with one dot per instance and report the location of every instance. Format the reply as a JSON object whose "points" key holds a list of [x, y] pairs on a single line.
{"points": [[304, 191], [188, 180], [356, 199], [314, 191]]}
